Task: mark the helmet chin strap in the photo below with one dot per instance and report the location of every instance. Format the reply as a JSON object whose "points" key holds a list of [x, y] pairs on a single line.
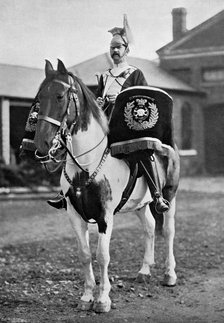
{"points": [[125, 52]]}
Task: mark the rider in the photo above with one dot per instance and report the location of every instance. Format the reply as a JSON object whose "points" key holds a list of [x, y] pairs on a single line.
{"points": [[117, 79], [122, 75]]}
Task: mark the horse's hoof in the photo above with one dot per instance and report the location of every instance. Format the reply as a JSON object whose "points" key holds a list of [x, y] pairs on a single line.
{"points": [[85, 306], [142, 278], [99, 307], [169, 281]]}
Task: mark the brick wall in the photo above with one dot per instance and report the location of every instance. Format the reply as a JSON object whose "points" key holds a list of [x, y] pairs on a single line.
{"points": [[192, 161], [191, 71]]}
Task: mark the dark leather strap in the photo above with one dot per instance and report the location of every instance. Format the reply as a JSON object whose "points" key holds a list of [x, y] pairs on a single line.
{"points": [[130, 185]]}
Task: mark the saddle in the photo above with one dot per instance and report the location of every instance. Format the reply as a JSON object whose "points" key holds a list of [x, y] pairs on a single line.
{"points": [[140, 124]]}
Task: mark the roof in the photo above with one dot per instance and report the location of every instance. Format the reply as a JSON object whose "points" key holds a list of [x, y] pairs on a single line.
{"points": [[23, 82], [154, 75], [19, 81], [207, 35]]}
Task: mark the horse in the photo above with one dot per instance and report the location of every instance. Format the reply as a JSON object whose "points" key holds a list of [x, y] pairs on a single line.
{"points": [[73, 129]]}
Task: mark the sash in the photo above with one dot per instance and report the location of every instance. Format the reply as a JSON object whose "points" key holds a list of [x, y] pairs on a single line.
{"points": [[109, 79]]}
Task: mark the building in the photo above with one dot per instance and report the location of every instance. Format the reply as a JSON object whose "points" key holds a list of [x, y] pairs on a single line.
{"points": [[197, 58], [18, 87]]}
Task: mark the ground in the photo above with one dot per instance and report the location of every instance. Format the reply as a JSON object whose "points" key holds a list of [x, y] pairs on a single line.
{"points": [[41, 277]]}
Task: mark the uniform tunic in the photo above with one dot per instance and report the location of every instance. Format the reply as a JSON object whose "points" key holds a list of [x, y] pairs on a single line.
{"points": [[115, 80]]}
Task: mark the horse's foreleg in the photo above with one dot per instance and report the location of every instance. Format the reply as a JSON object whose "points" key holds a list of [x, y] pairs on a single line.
{"points": [[169, 233], [103, 303], [82, 235], [148, 224]]}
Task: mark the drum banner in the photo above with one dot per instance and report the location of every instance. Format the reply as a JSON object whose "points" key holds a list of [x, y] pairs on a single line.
{"points": [[142, 111]]}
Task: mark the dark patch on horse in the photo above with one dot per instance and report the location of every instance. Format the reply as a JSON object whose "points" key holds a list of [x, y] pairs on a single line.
{"points": [[90, 200]]}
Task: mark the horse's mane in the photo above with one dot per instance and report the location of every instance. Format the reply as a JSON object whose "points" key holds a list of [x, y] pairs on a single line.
{"points": [[90, 103]]}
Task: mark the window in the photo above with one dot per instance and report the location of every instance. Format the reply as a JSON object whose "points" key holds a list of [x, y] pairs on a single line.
{"points": [[186, 126], [213, 74]]}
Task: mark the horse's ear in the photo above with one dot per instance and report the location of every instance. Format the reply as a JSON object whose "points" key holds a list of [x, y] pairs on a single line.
{"points": [[48, 67], [61, 67]]}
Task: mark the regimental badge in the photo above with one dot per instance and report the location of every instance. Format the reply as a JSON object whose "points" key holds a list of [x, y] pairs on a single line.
{"points": [[141, 113]]}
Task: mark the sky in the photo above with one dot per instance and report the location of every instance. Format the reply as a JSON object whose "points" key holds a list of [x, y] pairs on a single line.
{"points": [[77, 30]]}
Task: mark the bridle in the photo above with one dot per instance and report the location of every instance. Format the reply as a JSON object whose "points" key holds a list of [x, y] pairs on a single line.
{"points": [[64, 134], [63, 128]]}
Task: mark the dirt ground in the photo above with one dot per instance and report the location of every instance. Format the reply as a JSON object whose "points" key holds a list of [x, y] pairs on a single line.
{"points": [[41, 277]]}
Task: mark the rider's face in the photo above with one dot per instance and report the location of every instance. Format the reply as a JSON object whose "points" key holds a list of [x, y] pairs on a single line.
{"points": [[117, 53]]}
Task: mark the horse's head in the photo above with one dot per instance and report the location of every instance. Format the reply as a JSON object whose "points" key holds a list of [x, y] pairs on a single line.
{"points": [[66, 105], [58, 105]]}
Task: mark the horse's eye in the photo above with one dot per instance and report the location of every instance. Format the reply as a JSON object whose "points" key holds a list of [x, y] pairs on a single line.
{"points": [[60, 96]]}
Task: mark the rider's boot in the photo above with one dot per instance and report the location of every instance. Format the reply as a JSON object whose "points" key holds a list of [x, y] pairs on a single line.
{"points": [[59, 201], [161, 205]]}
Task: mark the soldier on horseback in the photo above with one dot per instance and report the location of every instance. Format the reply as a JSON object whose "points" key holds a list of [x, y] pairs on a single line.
{"points": [[116, 80]]}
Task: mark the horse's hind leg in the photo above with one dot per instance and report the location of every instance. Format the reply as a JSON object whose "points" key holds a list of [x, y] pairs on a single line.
{"points": [[169, 233], [103, 303], [169, 192], [148, 224], [82, 235]]}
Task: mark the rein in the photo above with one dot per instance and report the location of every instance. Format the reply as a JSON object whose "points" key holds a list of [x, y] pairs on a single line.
{"points": [[74, 158]]}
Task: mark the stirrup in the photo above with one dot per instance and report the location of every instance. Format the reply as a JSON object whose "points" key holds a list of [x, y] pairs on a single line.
{"points": [[161, 204]]}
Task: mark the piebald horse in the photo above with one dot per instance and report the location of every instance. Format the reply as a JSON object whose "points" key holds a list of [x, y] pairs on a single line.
{"points": [[93, 181]]}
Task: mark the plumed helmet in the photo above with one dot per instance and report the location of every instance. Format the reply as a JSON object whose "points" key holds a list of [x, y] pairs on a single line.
{"points": [[123, 35]]}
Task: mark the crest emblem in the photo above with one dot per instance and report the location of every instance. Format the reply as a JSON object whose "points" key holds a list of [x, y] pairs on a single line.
{"points": [[141, 113]]}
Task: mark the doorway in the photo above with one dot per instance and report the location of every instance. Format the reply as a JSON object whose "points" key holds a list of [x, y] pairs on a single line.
{"points": [[214, 139]]}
